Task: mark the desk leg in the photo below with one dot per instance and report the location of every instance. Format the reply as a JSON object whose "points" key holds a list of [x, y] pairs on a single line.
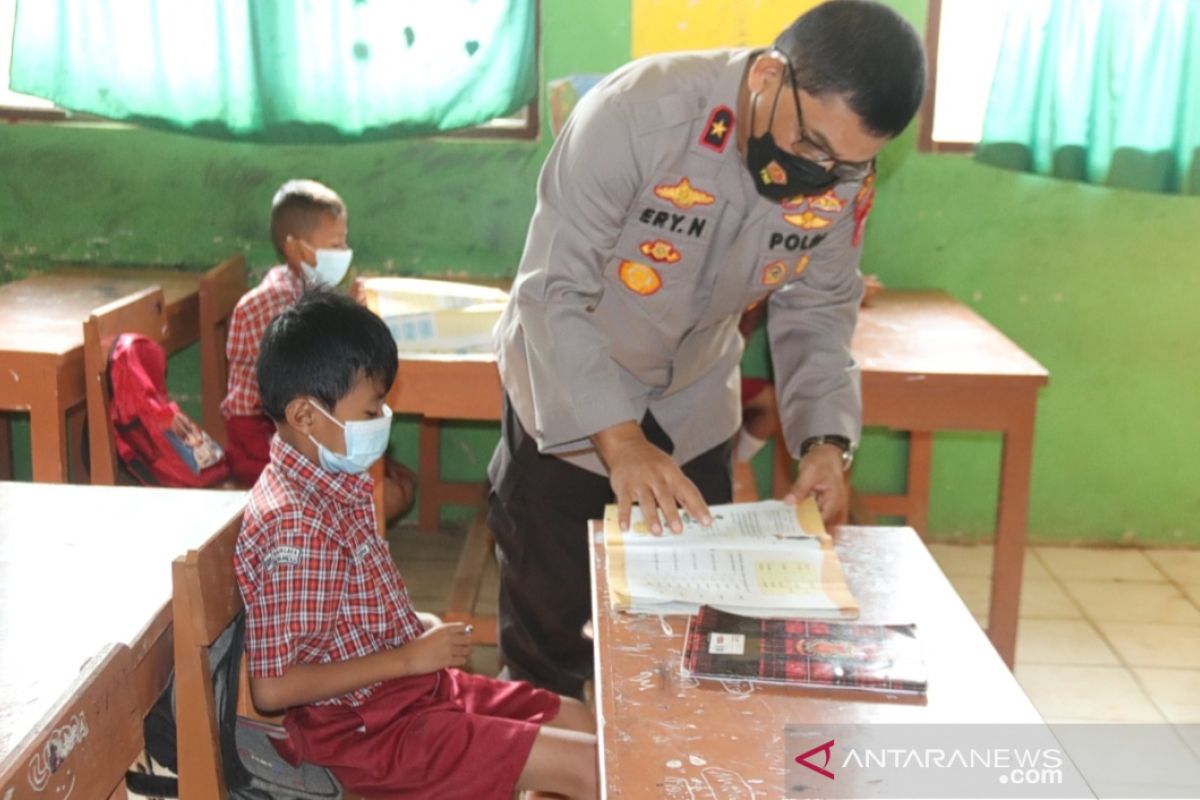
{"points": [[429, 472], [48, 440], [920, 465], [1012, 520], [6, 464]]}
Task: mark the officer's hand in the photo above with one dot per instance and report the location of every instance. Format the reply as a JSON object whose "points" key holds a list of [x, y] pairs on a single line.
{"points": [[643, 474], [822, 476]]}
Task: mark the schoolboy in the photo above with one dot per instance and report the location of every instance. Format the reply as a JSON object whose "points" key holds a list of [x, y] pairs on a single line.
{"points": [[331, 634], [309, 228]]}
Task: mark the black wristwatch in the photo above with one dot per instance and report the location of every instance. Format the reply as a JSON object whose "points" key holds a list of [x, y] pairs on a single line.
{"points": [[840, 441]]}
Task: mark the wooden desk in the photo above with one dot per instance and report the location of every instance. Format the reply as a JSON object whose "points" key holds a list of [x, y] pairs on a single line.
{"points": [[85, 566], [656, 727], [928, 363], [41, 347]]}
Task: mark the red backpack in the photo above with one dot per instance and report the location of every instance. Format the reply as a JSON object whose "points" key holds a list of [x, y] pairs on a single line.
{"points": [[158, 443]]}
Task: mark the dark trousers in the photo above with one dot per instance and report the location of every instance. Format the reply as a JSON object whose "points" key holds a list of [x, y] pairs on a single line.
{"points": [[539, 508]]}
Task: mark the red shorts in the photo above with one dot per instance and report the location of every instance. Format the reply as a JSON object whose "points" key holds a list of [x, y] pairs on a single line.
{"points": [[447, 735], [248, 446], [753, 387]]}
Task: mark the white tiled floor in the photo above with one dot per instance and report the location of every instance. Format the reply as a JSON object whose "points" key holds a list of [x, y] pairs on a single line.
{"points": [[1107, 635]]}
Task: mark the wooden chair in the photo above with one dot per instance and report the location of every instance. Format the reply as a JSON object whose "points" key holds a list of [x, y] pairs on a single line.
{"points": [[220, 289], [205, 599], [82, 747], [138, 313]]}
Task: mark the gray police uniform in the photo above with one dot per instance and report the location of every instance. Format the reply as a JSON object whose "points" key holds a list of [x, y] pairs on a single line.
{"points": [[648, 242]]}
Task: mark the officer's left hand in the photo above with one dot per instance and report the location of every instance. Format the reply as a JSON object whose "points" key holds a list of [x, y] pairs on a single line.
{"points": [[822, 476]]}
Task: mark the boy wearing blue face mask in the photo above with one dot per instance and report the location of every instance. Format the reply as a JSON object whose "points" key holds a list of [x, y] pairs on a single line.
{"points": [[331, 636], [309, 228]]}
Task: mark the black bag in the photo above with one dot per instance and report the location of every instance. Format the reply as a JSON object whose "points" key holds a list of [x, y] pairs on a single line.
{"points": [[253, 769]]}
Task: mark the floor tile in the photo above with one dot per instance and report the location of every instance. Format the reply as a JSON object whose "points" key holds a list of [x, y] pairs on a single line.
{"points": [[1083, 564], [1176, 692], [975, 561], [1151, 644], [974, 591], [1086, 693], [1046, 600], [1118, 601], [1192, 590], [1061, 641], [1039, 599], [1181, 566]]}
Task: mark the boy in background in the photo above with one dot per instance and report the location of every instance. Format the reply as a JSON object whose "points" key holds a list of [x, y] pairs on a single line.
{"points": [[309, 229], [331, 636]]}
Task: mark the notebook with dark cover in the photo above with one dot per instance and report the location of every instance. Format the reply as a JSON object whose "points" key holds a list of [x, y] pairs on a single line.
{"points": [[828, 654]]}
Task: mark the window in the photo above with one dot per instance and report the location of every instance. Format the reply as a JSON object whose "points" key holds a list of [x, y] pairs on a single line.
{"points": [[522, 124], [963, 41], [12, 104]]}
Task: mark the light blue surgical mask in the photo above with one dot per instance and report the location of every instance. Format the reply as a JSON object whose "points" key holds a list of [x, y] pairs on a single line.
{"points": [[330, 269], [365, 442]]}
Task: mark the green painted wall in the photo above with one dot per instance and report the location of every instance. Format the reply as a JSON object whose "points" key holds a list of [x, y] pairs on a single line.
{"points": [[1100, 285]]}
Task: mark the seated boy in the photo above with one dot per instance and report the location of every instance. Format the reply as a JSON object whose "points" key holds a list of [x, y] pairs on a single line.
{"points": [[309, 230], [330, 632]]}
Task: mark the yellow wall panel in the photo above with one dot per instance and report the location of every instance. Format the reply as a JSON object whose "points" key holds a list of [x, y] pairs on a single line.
{"points": [[661, 26]]}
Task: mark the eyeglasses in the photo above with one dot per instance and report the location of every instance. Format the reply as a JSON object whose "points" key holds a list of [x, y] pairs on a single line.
{"points": [[814, 152]]}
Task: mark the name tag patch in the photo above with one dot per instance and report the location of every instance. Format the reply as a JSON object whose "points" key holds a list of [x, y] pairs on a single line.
{"points": [[686, 224], [794, 241], [289, 556]]}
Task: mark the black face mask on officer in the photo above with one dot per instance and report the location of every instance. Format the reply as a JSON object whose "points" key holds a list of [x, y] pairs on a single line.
{"points": [[779, 175]]}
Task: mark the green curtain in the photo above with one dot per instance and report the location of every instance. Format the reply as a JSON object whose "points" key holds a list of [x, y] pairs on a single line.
{"points": [[1103, 91], [281, 70]]}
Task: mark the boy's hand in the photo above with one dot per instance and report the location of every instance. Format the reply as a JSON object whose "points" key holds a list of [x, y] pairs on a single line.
{"points": [[358, 291], [444, 646]]}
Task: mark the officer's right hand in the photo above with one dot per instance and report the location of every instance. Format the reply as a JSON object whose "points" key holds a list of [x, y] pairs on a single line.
{"points": [[643, 474]]}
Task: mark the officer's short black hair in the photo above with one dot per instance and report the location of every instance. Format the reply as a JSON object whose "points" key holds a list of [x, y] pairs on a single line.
{"points": [[863, 50], [297, 207], [321, 347]]}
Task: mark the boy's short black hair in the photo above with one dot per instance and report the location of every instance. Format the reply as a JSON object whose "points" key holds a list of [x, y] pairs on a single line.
{"points": [[297, 207], [320, 348], [865, 51]]}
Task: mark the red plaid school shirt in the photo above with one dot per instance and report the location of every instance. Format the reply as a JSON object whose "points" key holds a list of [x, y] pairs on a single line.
{"points": [[319, 584], [279, 290]]}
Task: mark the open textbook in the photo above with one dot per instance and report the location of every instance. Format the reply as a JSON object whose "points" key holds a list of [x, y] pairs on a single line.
{"points": [[765, 559]]}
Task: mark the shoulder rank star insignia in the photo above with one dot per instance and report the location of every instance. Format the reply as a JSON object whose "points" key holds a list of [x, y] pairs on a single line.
{"points": [[639, 278], [717, 129], [808, 220], [660, 251], [683, 195], [774, 273]]}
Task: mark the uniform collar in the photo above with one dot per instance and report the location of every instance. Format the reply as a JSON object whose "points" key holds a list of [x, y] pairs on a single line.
{"points": [[288, 280], [311, 478]]}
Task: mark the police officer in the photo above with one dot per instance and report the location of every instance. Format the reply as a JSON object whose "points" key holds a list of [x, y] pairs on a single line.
{"points": [[683, 189]]}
